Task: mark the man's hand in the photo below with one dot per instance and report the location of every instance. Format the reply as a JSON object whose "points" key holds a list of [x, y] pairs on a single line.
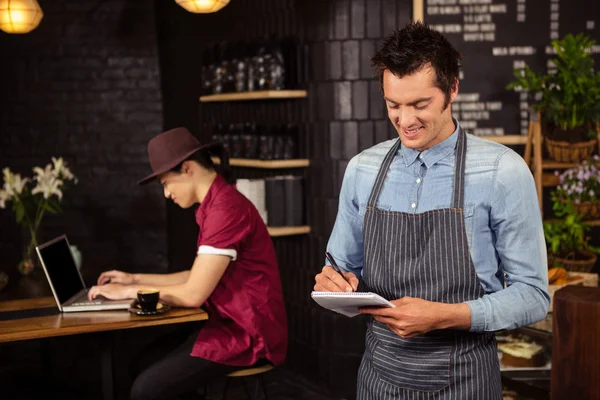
{"points": [[330, 281], [113, 291], [413, 317], [115, 276]]}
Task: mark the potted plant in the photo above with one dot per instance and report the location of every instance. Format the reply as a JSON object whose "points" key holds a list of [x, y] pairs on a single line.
{"points": [[580, 187], [569, 99], [31, 203], [568, 245]]}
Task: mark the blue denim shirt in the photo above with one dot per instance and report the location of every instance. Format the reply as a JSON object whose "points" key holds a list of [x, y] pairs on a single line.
{"points": [[502, 220]]}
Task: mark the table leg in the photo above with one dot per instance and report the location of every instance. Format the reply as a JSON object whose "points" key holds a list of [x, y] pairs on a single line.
{"points": [[46, 357], [107, 365]]}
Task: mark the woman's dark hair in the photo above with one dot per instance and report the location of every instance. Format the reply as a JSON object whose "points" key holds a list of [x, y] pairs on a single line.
{"points": [[205, 156], [411, 48]]}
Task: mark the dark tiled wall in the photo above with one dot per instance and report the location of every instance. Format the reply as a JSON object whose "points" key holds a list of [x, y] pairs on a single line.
{"points": [[182, 37], [84, 85], [343, 115], [348, 116]]}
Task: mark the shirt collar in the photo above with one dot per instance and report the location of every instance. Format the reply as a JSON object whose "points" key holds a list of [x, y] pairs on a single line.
{"points": [[433, 154], [215, 187]]}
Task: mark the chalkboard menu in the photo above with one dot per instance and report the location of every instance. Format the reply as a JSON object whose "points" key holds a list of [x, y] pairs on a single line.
{"points": [[496, 36]]}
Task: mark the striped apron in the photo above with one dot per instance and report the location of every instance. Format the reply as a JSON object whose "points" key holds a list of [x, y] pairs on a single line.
{"points": [[424, 256]]}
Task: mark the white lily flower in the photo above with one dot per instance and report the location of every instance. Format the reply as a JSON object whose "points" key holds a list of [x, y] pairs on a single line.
{"points": [[8, 189], [49, 181], [68, 175], [19, 183], [58, 164], [48, 186], [43, 174], [62, 170], [7, 174], [13, 183], [4, 197], [8, 179]]}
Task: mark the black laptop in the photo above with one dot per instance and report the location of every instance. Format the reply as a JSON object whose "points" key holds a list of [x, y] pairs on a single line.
{"points": [[65, 280]]}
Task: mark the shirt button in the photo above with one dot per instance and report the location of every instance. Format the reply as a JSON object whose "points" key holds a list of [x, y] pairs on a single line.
{"points": [[421, 156], [413, 205], [418, 180]]}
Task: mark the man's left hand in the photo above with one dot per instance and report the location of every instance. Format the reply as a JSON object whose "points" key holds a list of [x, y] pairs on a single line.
{"points": [[411, 316], [113, 291]]}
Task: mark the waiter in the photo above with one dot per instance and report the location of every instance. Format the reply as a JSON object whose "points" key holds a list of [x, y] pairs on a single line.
{"points": [[439, 222], [234, 276]]}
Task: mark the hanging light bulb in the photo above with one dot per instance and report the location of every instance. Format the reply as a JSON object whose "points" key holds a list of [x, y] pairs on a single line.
{"points": [[202, 6], [20, 16]]}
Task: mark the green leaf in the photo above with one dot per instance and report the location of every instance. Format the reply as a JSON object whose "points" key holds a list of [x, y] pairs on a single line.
{"points": [[48, 207], [19, 213], [55, 204], [570, 97]]}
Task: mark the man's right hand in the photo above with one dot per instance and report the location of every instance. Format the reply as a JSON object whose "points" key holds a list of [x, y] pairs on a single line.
{"points": [[330, 281], [115, 276]]}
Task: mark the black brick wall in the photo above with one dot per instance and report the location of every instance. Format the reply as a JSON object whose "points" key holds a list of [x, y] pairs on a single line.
{"points": [[85, 86], [343, 115]]}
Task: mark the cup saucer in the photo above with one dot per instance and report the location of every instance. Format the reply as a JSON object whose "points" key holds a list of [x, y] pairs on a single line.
{"points": [[137, 309]]}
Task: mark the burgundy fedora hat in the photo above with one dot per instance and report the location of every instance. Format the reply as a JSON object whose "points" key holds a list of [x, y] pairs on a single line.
{"points": [[169, 149]]}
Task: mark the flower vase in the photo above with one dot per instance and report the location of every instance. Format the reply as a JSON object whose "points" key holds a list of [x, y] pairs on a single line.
{"points": [[3, 280], [30, 259]]}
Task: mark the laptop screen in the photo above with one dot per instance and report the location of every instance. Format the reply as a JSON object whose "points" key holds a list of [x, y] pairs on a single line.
{"points": [[61, 269]]}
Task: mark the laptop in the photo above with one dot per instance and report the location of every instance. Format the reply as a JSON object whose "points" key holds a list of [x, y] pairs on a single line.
{"points": [[65, 280]]}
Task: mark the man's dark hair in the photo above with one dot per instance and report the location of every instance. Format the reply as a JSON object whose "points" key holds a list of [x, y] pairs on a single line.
{"points": [[205, 156], [411, 48]]}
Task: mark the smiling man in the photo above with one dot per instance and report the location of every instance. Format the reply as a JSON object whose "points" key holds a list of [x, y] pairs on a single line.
{"points": [[443, 224]]}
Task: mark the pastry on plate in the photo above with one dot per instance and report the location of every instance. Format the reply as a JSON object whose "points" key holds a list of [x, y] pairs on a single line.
{"points": [[522, 354]]}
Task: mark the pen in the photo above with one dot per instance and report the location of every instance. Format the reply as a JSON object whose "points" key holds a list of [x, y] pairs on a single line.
{"points": [[336, 268], [333, 263]]}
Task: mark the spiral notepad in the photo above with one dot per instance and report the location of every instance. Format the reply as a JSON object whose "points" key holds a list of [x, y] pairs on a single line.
{"points": [[348, 303]]}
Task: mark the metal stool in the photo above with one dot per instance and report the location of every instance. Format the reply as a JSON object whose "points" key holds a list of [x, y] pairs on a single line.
{"points": [[245, 372]]}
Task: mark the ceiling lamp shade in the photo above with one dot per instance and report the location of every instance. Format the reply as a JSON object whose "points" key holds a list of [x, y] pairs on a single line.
{"points": [[202, 6], [20, 16]]}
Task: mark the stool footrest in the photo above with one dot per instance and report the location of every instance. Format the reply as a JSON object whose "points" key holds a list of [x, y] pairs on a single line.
{"points": [[251, 371]]}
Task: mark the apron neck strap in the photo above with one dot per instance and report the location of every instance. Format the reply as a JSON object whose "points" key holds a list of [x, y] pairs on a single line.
{"points": [[387, 161], [459, 170]]}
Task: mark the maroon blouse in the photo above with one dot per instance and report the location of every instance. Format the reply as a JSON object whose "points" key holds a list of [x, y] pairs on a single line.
{"points": [[247, 320]]}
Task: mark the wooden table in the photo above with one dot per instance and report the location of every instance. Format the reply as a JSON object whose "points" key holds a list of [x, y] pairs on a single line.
{"points": [[64, 324], [575, 348]]}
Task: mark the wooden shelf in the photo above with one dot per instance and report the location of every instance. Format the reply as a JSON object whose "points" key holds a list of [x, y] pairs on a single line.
{"points": [[549, 180], [507, 139], [259, 95], [288, 230], [267, 164], [547, 164]]}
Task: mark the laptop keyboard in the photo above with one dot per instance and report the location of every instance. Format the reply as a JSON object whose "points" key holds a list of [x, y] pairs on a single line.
{"points": [[83, 301], [86, 303]]}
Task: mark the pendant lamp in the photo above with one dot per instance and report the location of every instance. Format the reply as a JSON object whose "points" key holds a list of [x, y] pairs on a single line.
{"points": [[202, 6], [20, 16]]}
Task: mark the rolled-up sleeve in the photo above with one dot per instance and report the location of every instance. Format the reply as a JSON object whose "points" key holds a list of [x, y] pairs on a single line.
{"points": [[516, 221], [346, 240], [224, 231]]}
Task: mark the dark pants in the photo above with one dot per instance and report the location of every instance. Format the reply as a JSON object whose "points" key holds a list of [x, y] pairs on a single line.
{"points": [[171, 372]]}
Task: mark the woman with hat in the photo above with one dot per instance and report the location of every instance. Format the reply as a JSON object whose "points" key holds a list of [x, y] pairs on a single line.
{"points": [[235, 276]]}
